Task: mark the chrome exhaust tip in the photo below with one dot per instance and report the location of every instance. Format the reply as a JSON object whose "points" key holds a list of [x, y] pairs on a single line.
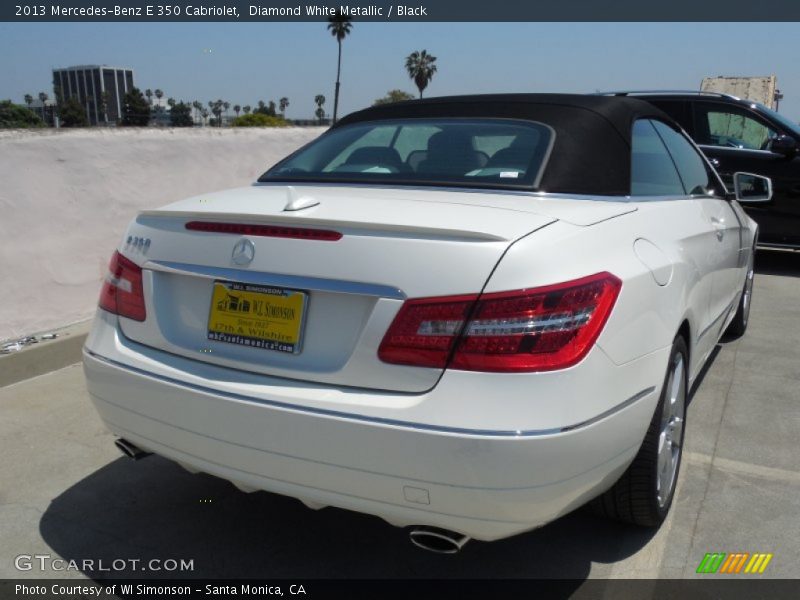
{"points": [[437, 540], [130, 450]]}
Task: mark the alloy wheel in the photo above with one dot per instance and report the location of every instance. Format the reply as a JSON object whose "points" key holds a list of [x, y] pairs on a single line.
{"points": [[670, 439]]}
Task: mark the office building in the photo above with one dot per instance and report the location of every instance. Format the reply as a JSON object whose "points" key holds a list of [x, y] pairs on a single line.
{"points": [[91, 85]]}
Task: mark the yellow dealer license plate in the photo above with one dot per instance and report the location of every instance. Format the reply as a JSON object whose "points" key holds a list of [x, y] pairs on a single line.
{"points": [[259, 316]]}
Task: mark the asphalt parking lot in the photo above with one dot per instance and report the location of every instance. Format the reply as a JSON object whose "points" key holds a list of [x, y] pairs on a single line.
{"points": [[66, 491]]}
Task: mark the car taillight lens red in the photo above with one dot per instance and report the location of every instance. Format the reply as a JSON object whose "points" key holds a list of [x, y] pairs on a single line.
{"points": [[540, 329], [122, 292], [298, 233]]}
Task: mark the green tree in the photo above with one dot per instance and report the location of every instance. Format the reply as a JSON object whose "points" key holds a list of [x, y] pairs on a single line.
{"points": [[340, 26], [135, 109], [259, 120], [28, 100], [181, 115], [237, 109], [393, 96], [171, 102], [247, 108], [13, 116], [283, 103], [421, 67], [149, 93], [72, 114], [265, 109], [158, 94]]}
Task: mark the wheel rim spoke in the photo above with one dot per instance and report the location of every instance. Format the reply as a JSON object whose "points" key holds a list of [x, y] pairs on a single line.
{"points": [[671, 434]]}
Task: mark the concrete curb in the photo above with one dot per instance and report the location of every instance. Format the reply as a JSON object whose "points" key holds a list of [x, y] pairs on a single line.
{"points": [[45, 356]]}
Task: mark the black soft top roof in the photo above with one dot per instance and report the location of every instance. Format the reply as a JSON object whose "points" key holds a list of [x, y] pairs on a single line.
{"points": [[591, 153]]}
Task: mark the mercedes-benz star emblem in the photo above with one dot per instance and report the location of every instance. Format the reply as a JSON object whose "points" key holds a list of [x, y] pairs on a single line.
{"points": [[243, 252]]}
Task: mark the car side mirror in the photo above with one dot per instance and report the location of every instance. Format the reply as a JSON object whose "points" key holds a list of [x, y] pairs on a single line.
{"points": [[750, 187], [783, 144]]}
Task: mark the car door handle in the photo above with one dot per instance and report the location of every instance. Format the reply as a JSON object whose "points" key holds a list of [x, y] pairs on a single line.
{"points": [[719, 226]]}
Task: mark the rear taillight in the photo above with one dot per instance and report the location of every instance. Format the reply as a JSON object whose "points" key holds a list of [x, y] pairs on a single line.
{"points": [[122, 292], [539, 329]]}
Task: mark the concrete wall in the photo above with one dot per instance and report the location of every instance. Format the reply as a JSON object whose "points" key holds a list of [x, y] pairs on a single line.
{"points": [[66, 196]]}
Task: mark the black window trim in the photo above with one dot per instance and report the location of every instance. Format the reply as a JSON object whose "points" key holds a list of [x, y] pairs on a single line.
{"points": [[710, 171]]}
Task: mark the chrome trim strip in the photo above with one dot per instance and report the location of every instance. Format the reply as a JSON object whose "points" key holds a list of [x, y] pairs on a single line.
{"points": [[633, 399], [315, 284], [776, 246], [735, 149], [535, 194], [378, 420]]}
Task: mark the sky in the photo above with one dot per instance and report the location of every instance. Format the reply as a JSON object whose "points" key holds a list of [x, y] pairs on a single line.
{"points": [[246, 62]]}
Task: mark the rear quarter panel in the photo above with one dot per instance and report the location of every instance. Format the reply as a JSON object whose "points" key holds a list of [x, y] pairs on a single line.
{"points": [[647, 315]]}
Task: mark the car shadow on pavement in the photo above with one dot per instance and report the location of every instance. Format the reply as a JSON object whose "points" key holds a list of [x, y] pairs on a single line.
{"points": [[778, 262], [698, 381], [153, 509]]}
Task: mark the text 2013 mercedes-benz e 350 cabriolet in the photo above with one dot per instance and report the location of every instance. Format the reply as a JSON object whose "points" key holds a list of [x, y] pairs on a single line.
{"points": [[465, 315]]}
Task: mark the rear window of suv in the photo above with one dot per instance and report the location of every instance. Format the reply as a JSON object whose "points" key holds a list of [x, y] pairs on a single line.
{"points": [[460, 152]]}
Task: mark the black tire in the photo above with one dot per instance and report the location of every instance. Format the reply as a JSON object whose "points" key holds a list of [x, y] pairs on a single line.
{"points": [[742, 317], [635, 498]]}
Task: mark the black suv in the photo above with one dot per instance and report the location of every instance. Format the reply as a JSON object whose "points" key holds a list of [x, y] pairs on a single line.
{"points": [[742, 135]]}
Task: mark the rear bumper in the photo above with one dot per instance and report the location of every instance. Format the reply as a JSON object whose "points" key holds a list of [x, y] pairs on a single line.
{"points": [[484, 484]]}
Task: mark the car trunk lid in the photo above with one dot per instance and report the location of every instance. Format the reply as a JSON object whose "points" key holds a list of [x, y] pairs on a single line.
{"points": [[395, 244]]}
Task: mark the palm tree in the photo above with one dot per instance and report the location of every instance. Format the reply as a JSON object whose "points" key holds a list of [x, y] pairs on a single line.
{"points": [[237, 109], [339, 26], [216, 110], [28, 100], [197, 108], [204, 114], [226, 106], [43, 97], [284, 104], [420, 68], [319, 100], [171, 102], [159, 94], [247, 108], [149, 93]]}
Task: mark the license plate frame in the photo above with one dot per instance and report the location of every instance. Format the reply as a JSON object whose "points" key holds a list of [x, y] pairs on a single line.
{"points": [[242, 329]]}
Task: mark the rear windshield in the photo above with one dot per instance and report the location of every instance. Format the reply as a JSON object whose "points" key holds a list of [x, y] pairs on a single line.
{"points": [[449, 152]]}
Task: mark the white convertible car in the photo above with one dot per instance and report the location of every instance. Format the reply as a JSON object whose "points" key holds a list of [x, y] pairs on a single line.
{"points": [[466, 315]]}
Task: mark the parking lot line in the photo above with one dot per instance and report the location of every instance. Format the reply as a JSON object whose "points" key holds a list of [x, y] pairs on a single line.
{"points": [[743, 468]]}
